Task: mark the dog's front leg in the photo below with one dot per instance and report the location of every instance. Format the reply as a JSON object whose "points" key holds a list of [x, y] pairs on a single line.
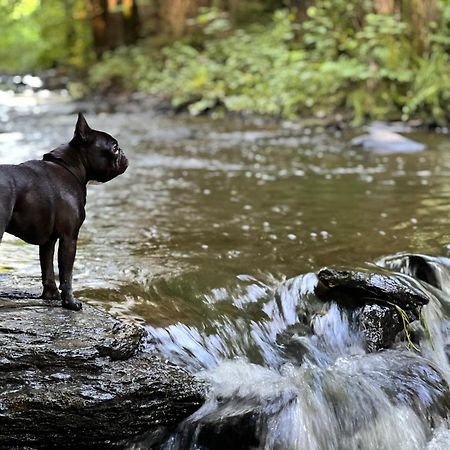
{"points": [[46, 253], [66, 257]]}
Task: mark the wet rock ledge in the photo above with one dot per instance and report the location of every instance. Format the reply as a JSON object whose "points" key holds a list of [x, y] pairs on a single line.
{"points": [[78, 379]]}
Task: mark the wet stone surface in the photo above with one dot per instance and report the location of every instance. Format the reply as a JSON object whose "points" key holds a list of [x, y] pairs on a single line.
{"points": [[353, 287], [380, 325], [378, 301], [78, 378]]}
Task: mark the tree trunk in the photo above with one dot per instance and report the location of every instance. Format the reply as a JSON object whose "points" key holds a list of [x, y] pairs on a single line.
{"points": [[114, 23], [384, 6], [131, 22], [175, 13], [417, 13]]}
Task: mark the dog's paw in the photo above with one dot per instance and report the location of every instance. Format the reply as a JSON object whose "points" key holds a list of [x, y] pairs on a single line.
{"points": [[72, 304], [51, 293]]}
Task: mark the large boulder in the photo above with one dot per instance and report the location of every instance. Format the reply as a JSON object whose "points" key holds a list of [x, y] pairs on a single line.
{"points": [[384, 302], [355, 287], [78, 379]]}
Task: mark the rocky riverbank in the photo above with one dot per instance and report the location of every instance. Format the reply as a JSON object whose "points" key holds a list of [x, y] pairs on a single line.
{"points": [[79, 379]]}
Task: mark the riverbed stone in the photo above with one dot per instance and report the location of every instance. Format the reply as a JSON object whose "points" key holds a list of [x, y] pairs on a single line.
{"points": [[381, 139], [381, 324], [80, 379], [357, 287]]}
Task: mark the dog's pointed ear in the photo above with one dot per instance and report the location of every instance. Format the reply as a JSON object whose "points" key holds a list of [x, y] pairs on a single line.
{"points": [[82, 129]]}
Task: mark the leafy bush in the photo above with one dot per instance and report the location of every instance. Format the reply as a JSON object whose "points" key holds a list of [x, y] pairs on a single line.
{"points": [[341, 57], [36, 35]]}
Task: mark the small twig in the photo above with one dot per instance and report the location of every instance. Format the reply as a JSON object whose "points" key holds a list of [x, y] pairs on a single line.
{"points": [[405, 319]]}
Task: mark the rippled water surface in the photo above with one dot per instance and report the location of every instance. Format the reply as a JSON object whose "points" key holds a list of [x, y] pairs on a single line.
{"points": [[211, 217]]}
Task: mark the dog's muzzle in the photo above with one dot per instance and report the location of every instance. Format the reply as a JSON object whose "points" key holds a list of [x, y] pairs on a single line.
{"points": [[122, 163]]}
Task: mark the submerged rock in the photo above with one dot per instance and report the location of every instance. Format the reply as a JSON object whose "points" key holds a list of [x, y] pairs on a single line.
{"points": [[77, 379], [383, 140], [434, 270]]}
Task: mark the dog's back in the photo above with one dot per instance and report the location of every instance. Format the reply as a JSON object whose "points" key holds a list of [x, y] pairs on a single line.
{"points": [[31, 195], [10, 177]]}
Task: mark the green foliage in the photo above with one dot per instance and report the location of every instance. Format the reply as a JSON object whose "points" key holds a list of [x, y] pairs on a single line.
{"points": [[39, 34], [65, 35], [125, 68], [19, 32], [342, 57], [431, 88]]}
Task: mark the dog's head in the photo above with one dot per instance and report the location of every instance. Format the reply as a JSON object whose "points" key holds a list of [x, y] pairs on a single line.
{"points": [[101, 154]]}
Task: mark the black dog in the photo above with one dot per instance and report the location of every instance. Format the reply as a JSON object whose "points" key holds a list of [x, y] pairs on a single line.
{"points": [[43, 201]]}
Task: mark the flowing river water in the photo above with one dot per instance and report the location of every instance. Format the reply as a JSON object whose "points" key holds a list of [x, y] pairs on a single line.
{"points": [[211, 240]]}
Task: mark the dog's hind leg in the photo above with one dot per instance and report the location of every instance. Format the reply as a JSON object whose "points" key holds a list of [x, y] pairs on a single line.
{"points": [[6, 210], [4, 219], [46, 253]]}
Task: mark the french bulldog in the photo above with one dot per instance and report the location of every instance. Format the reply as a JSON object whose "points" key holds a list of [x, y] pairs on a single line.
{"points": [[43, 201]]}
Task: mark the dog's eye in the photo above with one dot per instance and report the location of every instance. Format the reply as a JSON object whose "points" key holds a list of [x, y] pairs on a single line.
{"points": [[115, 149]]}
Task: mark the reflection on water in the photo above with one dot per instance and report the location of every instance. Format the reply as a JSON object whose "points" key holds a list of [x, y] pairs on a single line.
{"points": [[197, 239], [207, 201]]}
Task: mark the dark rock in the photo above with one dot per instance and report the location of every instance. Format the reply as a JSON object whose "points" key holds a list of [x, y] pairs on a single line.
{"points": [[380, 325], [77, 379], [354, 288], [238, 431], [422, 267]]}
